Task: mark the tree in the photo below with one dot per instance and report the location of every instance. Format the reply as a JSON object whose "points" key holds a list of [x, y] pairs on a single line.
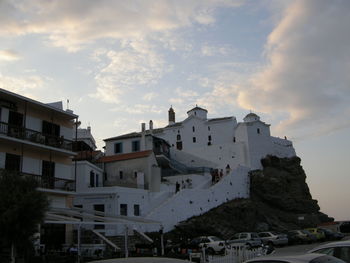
{"points": [[22, 208]]}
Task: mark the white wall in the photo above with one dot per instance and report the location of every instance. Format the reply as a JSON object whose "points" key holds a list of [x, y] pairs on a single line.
{"points": [[83, 175], [66, 132], [188, 203], [112, 197], [32, 165], [221, 132], [127, 145], [34, 123], [63, 171]]}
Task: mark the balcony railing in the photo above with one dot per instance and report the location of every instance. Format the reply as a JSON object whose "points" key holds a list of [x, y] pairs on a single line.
{"points": [[35, 136], [50, 182]]}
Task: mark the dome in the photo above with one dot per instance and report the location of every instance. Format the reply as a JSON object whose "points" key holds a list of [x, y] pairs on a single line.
{"points": [[251, 117]]}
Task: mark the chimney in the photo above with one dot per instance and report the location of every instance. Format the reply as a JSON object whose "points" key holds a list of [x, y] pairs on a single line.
{"points": [[143, 127], [171, 114], [150, 125]]}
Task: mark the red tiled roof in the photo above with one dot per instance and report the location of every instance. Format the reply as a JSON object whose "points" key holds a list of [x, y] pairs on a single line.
{"points": [[125, 156]]}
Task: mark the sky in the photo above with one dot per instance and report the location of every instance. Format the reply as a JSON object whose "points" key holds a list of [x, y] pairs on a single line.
{"points": [[121, 63]]}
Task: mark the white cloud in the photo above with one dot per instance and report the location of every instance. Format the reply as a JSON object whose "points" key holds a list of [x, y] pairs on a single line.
{"points": [[211, 50], [181, 92], [149, 96], [307, 76], [25, 86], [137, 64], [9, 55], [73, 24]]}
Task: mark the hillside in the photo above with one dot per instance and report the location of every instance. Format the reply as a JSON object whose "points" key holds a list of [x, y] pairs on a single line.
{"points": [[280, 200]]}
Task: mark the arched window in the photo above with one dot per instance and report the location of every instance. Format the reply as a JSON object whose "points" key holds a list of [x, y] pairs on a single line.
{"points": [[258, 130], [193, 129], [178, 137]]}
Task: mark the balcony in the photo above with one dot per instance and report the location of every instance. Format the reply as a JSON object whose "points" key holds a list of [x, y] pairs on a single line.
{"points": [[50, 182], [35, 136]]}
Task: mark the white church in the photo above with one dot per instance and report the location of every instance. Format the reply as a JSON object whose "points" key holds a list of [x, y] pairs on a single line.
{"points": [[167, 175]]}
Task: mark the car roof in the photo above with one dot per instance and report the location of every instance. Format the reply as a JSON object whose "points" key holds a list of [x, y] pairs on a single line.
{"points": [[345, 243], [292, 258]]}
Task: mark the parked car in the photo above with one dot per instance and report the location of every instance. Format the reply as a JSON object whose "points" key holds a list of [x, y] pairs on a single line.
{"points": [[251, 239], [318, 233], [297, 237], [332, 235], [312, 238], [213, 244], [273, 238], [339, 249], [306, 258]]}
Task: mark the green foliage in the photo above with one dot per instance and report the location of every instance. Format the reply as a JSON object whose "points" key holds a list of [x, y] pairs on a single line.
{"points": [[22, 208]]}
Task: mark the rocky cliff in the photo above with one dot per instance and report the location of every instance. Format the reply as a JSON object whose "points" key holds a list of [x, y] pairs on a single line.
{"points": [[280, 200]]}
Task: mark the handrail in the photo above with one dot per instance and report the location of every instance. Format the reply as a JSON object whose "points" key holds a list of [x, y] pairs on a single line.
{"points": [[35, 136], [51, 182]]}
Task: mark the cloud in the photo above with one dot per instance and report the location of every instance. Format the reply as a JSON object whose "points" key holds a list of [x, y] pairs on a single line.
{"points": [[210, 50], [307, 74], [25, 86], [73, 24], [9, 55], [181, 92], [136, 64], [149, 96]]}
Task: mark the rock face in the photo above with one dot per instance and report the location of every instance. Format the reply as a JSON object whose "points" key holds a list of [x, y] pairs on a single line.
{"points": [[280, 200]]}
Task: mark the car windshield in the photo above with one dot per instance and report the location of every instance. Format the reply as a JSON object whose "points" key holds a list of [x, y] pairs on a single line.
{"points": [[215, 238]]}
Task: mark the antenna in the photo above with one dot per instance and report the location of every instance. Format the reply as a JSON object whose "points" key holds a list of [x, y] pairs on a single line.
{"points": [[67, 104]]}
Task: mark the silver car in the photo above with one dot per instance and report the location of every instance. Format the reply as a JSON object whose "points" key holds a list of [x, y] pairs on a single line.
{"points": [[339, 249], [273, 238], [306, 258]]}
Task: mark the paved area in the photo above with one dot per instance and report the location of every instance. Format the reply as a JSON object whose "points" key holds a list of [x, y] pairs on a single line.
{"points": [[142, 260], [283, 251]]}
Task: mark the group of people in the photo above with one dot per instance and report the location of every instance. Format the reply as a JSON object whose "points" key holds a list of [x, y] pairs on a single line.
{"points": [[217, 174], [184, 184]]}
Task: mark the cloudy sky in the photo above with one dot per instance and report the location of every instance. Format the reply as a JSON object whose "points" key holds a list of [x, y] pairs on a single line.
{"points": [[121, 63]]}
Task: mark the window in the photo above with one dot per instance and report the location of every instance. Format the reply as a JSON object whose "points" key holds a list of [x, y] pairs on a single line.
{"points": [[123, 209], [100, 208], [258, 130], [51, 129], [208, 128], [15, 119], [96, 180], [120, 174], [105, 176], [194, 139], [178, 137], [136, 210], [135, 174], [92, 179], [48, 174], [12, 162], [135, 146], [209, 138], [234, 139], [118, 147], [193, 129], [179, 145]]}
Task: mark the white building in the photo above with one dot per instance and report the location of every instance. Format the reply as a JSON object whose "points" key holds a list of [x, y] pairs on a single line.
{"points": [[143, 168]]}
